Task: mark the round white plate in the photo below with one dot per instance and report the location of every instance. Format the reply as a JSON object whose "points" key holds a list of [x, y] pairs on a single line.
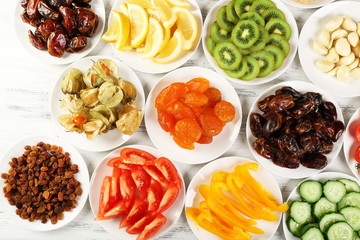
{"points": [[112, 225], [82, 176], [202, 152], [301, 172], [211, 17], [350, 143], [228, 164], [294, 195], [22, 28], [134, 59], [315, 4], [310, 32], [105, 141]]}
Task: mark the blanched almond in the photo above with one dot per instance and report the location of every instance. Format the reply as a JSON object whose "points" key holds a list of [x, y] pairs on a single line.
{"points": [[347, 60], [343, 73], [358, 29], [334, 24], [348, 24], [355, 73], [324, 65], [353, 39], [334, 71], [324, 38], [319, 48], [342, 47], [339, 33], [333, 56], [356, 50], [354, 64]]}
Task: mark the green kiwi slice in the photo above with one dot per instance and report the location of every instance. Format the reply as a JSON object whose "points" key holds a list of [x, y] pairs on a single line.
{"points": [[278, 55], [253, 68], [245, 33], [243, 6], [260, 6], [273, 13], [244, 51], [223, 21], [210, 44], [280, 41], [261, 42], [218, 34], [253, 16], [239, 71], [279, 26], [266, 62], [231, 13], [227, 56]]}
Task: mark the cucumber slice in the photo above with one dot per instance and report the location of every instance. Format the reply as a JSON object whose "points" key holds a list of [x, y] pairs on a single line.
{"points": [[334, 191], [322, 207], [350, 200], [339, 231], [351, 186], [300, 212], [312, 234], [311, 191], [293, 227], [352, 216], [329, 219], [356, 236], [306, 227]]}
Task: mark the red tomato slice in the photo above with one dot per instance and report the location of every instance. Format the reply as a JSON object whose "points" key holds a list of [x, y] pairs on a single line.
{"points": [[137, 155], [116, 172], [142, 180], [155, 173], [115, 194], [104, 197], [168, 169], [357, 155], [357, 133], [122, 163], [136, 212], [139, 226], [169, 197], [151, 229], [154, 195], [118, 210], [128, 188]]}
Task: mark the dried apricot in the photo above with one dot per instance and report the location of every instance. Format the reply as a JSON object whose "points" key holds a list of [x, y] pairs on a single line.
{"points": [[199, 84], [170, 94], [189, 146], [225, 111], [196, 98], [179, 110], [205, 139], [187, 130], [210, 123], [166, 121], [214, 96]]}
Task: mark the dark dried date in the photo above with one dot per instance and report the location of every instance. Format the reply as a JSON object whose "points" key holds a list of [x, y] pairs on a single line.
{"points": [[24, 3], [49, 26], [57, 43], [87, 21], [328, 111], [303, 126], [283, 160], [288, 144], [32, 9], [69, 20], [256, 122], [272, 124], [289, 91], [26, 19], [263, 105], [263, 148], [76, 44], [47, 11], [281, 102], [302, 108], [309, 142], [325, 146], [313, 160], [316, 97], [36, 41]]}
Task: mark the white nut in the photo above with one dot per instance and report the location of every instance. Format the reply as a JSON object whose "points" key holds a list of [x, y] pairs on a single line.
{"points": [[356, 50], [342, 47], [343, 73], [347, 60], [324, 65], [354, 64], [353, 39], [355, 73], [339, 33], [333, 56], [319, 48], [349, 24], [358, 29], [334, 71], [334, 24], [324, 38]]}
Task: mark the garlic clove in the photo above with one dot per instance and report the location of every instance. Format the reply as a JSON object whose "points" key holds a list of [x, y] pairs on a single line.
{"points": [[319, 48], [339, 33], [343, 73], [333, 72], [342, 47], [332, 55], [353, 39], [325, 38], [354, 64], [324, 65], [355, 73], [348, 24], [347, 60], [334, 24]]}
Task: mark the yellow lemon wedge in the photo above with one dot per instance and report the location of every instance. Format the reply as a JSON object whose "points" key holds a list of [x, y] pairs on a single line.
{"points": [[141, 3], [152, 13], [139, 23], [124, 26], [113, 32], [141, 48], [164, 11], [124, 10], [172, 49], [179, 3], [166, 38], [154, 39], [186, 22]]}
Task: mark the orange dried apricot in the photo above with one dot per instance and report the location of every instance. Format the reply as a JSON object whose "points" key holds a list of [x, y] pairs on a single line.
{"points": [[179, 110], [187, 130], [210, 123], [189, 146], [225, 111], [205, 139], [170, 94], [214, 96], [196, 98], [166, 121], [199, 84]]}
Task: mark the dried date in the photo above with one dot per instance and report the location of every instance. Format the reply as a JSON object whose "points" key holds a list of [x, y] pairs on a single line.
{"points": [[263, 148], [314, 160], [76, 44], [47, 12], [49, 26], [87, 21], [36, 41], [256, 122], [272, 124], [57, 43], [289, 91], [69, 20], [302, 108], [281, 102]]}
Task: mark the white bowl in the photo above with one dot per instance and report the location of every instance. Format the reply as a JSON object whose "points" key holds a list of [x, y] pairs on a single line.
{"points": [[315, 4], [294, 195], [134, 59], [310, 32], [22, 28], [112, 225], [301, 172], [202, 152], [82, 176], [105, 141], [228, 164], [211, 17]]}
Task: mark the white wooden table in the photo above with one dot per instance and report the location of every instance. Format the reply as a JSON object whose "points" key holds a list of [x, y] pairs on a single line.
{"points": [[25, 89]]}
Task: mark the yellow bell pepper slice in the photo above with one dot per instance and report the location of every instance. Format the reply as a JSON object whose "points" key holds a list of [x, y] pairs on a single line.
{"points": [[192, 214]]}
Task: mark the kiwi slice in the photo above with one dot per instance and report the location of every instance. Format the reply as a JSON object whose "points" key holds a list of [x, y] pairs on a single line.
{"points": [[223, 21], [260, 6], [273, 13], [280, 41], [261, 42], [227, 56], [244, 51], [253, 16], [278, 55], [243, 6], [245, 33], [253, 68], [266, 62], [239, 71], [231, 13], [279, 26], [218, 34], [210, 44]]}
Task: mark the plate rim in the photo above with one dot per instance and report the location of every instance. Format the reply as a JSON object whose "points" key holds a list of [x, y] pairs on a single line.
{"points": [[306, 6]]}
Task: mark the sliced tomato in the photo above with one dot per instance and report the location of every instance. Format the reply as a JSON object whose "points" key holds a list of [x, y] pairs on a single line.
{"points": [[142, 180], [156, 174], [139, 226], [116, 211], [115, 194], [168, 169], [137, 156], [152, 228], [136, 212], [154, 195], [357, 154], [119, 162], [357, 133], [169, 198], [104, 197], [128, 188], [116, 172]]}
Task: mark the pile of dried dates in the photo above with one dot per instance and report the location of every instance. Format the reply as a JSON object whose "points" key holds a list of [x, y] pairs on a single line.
{"points": [[61, 25], [295, 128]]}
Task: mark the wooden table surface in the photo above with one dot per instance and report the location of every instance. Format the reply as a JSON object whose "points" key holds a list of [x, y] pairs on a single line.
{"points": [[25, 91]]}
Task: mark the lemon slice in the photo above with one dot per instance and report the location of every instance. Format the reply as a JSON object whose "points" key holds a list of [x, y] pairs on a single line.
{"points": [[152, 13], [172, 49], [186, 22], [141, 48], [179, 3], [124, 10], [113, 31], [139, 23], [124, 28], [164, 11], [154, 39], [166, 38], [141, 3]]}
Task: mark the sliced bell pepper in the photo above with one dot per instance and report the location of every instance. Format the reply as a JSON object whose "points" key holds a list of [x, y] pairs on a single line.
{"points": [[128, 188], [152, 228], [136, 212], [192, 214], [169, 198], [142, 181], [219, 176], [169, 171], [104, 197], [154, 195]]}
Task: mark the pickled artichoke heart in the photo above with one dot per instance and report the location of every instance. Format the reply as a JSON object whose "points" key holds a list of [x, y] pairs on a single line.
{"points": [[89, 96], [129, 91], [72, 104], [93, 128], [106, 69], [72, 82], [92, 80], [73, 122], [110, 94], [130, 117], [103, 113]]}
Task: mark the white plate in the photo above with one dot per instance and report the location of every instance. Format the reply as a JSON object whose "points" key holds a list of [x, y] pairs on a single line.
{"points": [[112, 225], [301, 172], [315, 4], [310, 32], [202, 152], [228, 164], [211, 17], [294, 195], [22, 28], [82, 176], [106, 141], [350, 143], [134, 59]]}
